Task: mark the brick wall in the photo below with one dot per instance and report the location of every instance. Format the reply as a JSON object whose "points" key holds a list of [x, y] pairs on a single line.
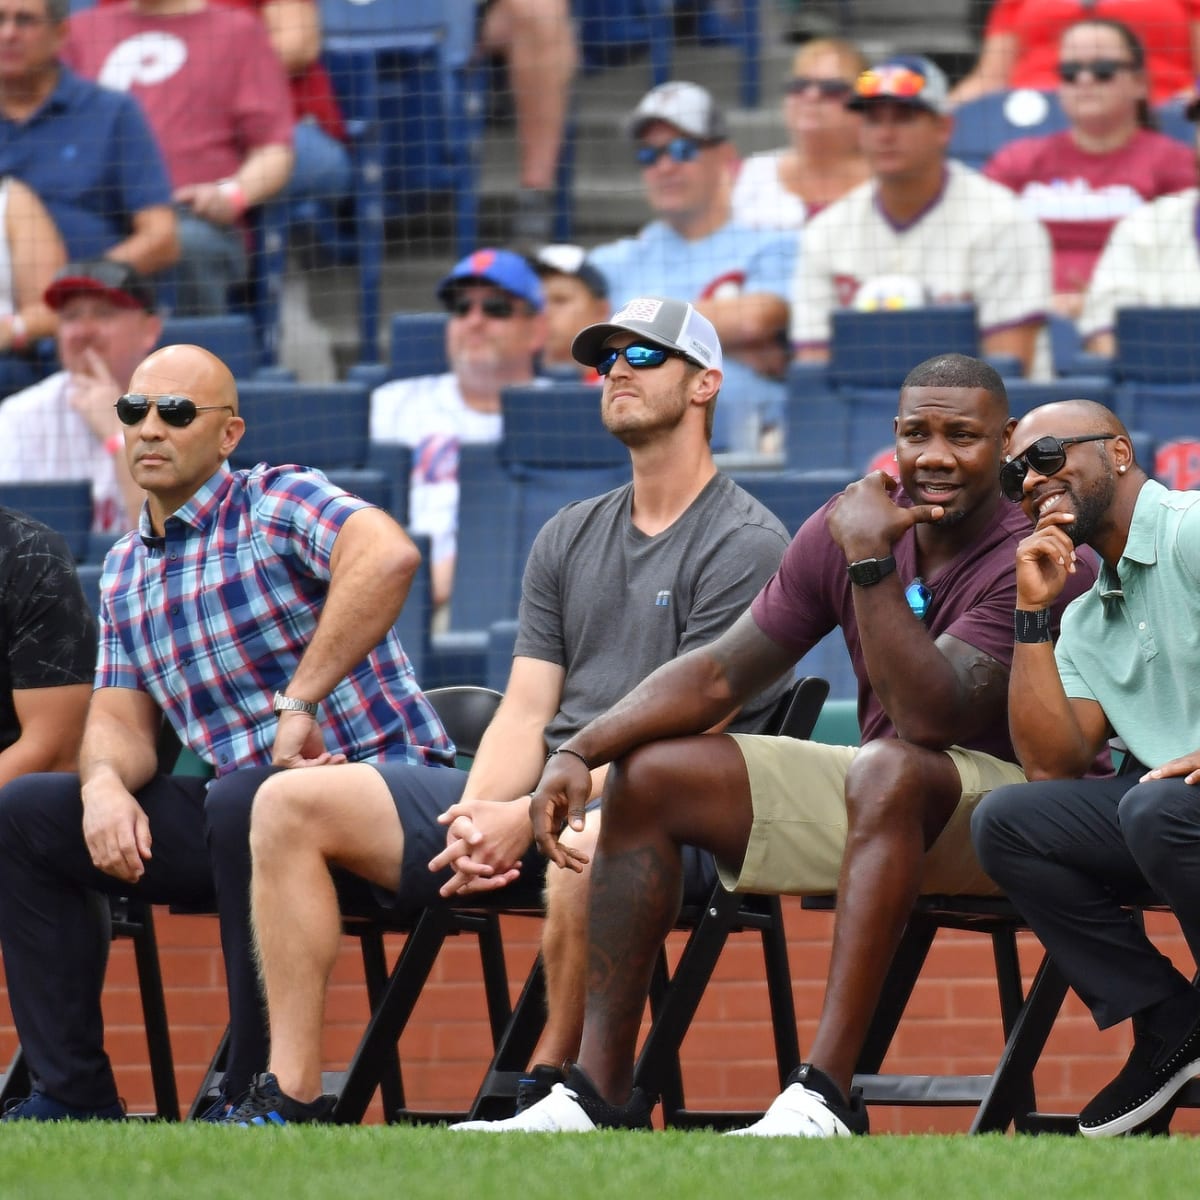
{"points": [[952, 1024]]}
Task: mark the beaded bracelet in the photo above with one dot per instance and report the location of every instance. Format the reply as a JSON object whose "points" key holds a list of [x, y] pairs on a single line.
{"points": [[573, 753]]}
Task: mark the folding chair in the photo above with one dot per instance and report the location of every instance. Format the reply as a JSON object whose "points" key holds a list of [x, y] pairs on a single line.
{"points": [[675, 997]]}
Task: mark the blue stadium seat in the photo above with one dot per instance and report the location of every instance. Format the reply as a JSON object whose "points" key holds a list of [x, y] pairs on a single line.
{"points": [[557, 426], [89, 580], [1026, 394], [314, 425], [412, 625], [982, 126], [502, 642], [793, 496], [1173, 121], [394, 463], [231, 338], [1157, 345], [65, 505], [411, 101], [417, 345]]}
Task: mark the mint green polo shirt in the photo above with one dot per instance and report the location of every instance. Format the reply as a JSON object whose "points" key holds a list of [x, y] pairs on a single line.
{"points": [[1132, 643]]}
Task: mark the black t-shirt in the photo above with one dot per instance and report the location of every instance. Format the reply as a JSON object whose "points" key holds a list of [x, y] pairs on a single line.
{"points": [[47, 632]]}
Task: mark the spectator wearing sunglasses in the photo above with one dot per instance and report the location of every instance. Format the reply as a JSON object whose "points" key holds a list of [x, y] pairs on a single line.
{"points": [[696, 251], [495, 331], [923, 230], [615, 586], [1022, 38], [1111, 159], [576, 295], [781, 189], [918, 575], [66, 426], [251, 610], [1072, 851], [1151, 259]]}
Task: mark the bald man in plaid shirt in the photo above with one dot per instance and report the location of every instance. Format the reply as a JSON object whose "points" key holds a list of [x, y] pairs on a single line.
{"points": [[253, 611]]}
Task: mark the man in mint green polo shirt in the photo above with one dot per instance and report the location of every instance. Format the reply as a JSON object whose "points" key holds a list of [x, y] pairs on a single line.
{"points": [[1069, 850]]}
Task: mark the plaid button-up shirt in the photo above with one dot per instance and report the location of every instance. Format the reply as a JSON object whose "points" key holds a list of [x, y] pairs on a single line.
{"points": [[213, 618]]}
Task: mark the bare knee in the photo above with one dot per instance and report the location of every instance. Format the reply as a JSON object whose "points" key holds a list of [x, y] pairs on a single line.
{"points": [[891, 782], [281, 816]]}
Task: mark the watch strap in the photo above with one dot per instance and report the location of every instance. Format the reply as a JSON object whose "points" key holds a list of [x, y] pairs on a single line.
{"points": [[867, 572], [282, 704]]}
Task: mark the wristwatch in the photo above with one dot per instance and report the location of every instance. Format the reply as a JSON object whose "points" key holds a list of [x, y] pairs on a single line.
{"points": [[869, 571], [282, 704]]}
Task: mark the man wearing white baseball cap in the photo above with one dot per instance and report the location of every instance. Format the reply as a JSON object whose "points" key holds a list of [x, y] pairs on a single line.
{"points": [[737, 277]]}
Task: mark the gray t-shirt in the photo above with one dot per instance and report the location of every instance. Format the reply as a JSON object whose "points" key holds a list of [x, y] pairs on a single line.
{"points": [[609, 604]]}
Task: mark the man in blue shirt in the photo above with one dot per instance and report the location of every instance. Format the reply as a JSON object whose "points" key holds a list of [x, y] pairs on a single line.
{"points": [[735, 276], [87, 151]]}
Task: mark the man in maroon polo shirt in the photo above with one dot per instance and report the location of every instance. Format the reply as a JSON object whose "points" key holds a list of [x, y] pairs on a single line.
{"points": [[921, 583]]}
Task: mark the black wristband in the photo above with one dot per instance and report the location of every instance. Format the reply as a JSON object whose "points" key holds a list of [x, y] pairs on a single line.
{"points": [[1031, 627], [573, 753]]}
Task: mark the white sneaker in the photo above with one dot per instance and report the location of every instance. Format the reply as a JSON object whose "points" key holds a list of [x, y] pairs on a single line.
{"points": [[800, 1111], [559, 1112]]}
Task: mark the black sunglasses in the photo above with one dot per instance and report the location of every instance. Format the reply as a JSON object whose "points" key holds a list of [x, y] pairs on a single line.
{"points": [[829, 89], [679, 150], [919, 598], [499, 308], [1047, 456], [177, 411], [1102, 70], [637, 356]]}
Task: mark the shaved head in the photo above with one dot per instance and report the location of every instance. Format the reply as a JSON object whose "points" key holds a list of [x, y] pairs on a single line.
{"points": [[1066, 418], [186, 371]]}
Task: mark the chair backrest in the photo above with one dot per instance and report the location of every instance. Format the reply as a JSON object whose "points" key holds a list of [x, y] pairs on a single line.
{"points": [[394, 462], [983, 125], [465, 712], [556, 425], [65, 505], [1158, 345], [878, 349], [231, 338], [1163, 412], [418, 345], [316, 425], [412, 625], [796, 713], [448, 23], [1026, 394], [1173, 121]]}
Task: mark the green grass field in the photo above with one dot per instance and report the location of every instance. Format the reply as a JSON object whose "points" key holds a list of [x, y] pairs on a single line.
{"points": [[160, 1162]]}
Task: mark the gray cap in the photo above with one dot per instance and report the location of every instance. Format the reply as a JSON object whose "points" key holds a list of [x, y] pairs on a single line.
{"points": [[687, 106], [674, 324]]}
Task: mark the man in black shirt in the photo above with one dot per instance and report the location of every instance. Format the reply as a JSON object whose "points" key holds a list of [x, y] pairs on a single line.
{"points": [[47, 650]]}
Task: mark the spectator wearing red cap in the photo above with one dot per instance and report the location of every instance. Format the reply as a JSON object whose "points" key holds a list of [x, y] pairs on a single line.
{"points": [[66, 426], [496, 329]]}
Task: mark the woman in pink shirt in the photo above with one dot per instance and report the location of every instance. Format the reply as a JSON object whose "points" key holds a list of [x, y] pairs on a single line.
{"points": [[1109, 161]]}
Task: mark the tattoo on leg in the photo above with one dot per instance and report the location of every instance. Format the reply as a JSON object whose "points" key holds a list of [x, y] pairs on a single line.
{"points": [[635, 898]]}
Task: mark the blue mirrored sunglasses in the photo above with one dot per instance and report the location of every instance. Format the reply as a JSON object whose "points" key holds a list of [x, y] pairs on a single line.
{"points": [[919, 598], [680, 150], [637, 356]]}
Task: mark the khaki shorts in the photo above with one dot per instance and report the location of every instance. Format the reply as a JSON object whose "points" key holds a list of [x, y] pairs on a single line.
{"points": [[799, 832]]}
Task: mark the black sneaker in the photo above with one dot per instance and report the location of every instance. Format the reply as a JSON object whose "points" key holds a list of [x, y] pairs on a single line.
{"points": [[1157, 1067], [40, 1107], [573, 1106], [537, 1084], [265, 1104], [810, 1106]]}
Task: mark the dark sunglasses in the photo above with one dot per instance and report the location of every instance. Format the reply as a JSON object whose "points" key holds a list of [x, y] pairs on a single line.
{"points": [[1102, 70], [499, 308], [1047, 456], [177, 411], [637, 356], [919, 598], [829, 89], [679, 150]]}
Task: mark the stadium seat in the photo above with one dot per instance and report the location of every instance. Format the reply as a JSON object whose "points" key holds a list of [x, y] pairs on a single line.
{"points": [[313, 425], [413, 110], [793, 496], [557, 426], [1173, 121], [412, 625], [1026, 394], [231, 338], [65, 505], [417, 345], [1157, 371], [982, 126]]}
